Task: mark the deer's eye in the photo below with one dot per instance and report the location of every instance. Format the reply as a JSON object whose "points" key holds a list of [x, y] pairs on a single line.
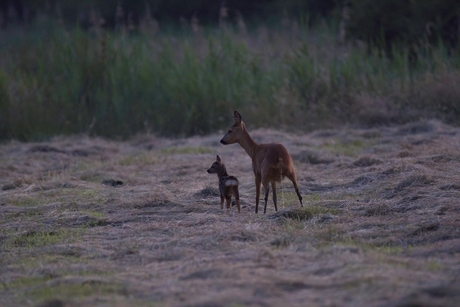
{"points": [[229, 131]]}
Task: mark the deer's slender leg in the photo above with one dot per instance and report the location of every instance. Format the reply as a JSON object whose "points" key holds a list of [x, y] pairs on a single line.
{"points": [[229, 203], [274, 194], [237, 198], [221, 201], [293, 178], [258, 187], [267, 190]]}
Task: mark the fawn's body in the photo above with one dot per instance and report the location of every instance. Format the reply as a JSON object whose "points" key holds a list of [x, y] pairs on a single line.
{"points": [[228, 185], [270, 162]]}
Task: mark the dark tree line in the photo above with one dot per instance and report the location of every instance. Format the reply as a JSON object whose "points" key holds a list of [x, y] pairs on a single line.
{"points": [[207, 11], [382, 23], [409, 23]]}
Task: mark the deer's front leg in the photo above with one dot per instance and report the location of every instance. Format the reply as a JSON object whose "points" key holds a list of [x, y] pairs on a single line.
{"points": [[258, 186], [267, 190]]}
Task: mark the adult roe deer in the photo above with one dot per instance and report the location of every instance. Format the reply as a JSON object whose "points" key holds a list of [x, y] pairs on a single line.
{"points": [[270, 162], [228, 185]]}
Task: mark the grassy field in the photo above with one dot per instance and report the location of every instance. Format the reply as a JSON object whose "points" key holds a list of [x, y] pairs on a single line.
{"points": [[56, 80], [92, 222]]}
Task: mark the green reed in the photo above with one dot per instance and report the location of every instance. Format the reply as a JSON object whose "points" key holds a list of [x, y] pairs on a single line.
{"points": [[116, 84]]}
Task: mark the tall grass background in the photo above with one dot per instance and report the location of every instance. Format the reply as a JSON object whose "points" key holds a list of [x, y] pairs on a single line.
{"points": [[115, 83]]}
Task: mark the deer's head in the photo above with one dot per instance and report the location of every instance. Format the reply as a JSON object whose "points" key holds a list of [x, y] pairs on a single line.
{"points": [[216, 167], [233, 134]]}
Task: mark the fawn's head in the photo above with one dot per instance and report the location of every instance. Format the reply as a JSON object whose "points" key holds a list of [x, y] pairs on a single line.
{"points": [[217, 167], [234, 132]]}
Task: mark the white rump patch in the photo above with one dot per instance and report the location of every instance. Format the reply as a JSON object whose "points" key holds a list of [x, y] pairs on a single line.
{"points": [[230, 182]]}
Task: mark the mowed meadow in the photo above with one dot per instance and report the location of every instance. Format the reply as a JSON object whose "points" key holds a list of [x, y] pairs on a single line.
{"points": [[106, 136], [91, 222]]}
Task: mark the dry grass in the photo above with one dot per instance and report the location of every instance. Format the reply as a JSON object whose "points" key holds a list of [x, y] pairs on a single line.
{"points": [[380, 226]]}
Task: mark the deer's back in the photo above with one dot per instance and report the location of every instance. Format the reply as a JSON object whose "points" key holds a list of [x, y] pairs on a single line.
{"points": [[272, 159]]}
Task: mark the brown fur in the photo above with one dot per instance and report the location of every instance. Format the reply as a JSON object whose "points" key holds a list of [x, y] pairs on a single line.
{"points": [[270, 162], [227, 188]]}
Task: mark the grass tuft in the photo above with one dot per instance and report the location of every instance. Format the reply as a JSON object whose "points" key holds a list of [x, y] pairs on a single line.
{"points": [[32, 239]]}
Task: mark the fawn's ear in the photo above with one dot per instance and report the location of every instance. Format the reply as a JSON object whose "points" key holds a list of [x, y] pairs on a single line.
{"points": [[237, 117], [218, 159]]}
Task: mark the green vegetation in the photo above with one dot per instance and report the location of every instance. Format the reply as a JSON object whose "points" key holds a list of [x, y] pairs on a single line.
{"points": [[94, 214], [348, 148], [185, 150], [144, 158], [26, 281], [27, 201], [32, 238], [116, 83], [159, 156], [59, 195], [75, 291]]}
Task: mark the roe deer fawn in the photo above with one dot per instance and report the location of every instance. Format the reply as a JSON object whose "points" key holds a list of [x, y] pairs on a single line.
{"points": [[270, 162], [228, 185]]}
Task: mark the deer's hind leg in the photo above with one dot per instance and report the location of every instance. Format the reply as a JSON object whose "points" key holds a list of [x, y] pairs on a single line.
{"points": [[221, 200], [228, 199], [274, 194], [236, 193], [293, 178]]}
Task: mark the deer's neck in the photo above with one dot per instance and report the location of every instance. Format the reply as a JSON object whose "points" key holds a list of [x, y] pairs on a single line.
{"points": [[222, 172], [248, 144]]}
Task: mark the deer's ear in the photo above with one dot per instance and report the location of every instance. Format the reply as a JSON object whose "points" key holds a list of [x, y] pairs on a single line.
{"points": [[218, 159], [237, 117]]}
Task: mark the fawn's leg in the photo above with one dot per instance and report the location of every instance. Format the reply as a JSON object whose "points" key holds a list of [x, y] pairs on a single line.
{"points": [[258, 185], [266, 187], [293, 178], [229, 203], [237, 198], [274, 194], [221, 201]]}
